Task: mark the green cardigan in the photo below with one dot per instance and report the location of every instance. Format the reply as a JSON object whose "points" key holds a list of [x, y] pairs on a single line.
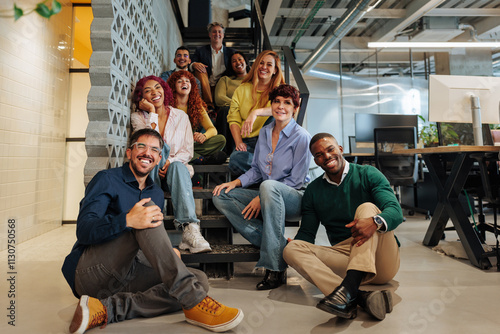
{"points": [[334, 206]]}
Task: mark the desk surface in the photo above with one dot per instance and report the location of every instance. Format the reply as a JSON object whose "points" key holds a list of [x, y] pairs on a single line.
{"points": [[448, 149], [363, 154]]}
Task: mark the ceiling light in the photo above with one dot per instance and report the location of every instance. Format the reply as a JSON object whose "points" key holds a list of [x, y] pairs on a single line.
{"points": [[433, 45]]}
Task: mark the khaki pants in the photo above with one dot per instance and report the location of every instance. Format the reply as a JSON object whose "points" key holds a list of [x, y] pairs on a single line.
{"points": [[326, 267]]}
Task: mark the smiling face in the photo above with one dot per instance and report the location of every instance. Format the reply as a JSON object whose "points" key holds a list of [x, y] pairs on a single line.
{"points": [[153, 93], [283, 109], [327, 154], [182, 59], [216, 35], [183, 86], [266, 68], [238, 64], [143, 158]]}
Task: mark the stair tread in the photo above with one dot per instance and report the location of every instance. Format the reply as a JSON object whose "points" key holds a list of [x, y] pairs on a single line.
{"points": [[223, 253]]}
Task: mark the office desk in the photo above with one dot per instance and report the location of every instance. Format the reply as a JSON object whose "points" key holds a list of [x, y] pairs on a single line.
{"points": [[360, 158], [449, 188]]}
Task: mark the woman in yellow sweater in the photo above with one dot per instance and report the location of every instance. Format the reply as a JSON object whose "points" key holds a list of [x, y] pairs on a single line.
{"points": [[224, 91], [253, 93], [207, 143]]}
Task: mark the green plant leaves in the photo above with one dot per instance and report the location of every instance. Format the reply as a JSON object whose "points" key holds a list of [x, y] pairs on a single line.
{"points": [[41, 9], [56, 7], [18, 12]]}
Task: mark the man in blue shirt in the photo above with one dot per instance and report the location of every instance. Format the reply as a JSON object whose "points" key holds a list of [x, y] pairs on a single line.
{"points": [[122, 265]]}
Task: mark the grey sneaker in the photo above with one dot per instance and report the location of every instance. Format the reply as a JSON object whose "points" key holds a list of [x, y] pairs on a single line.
{"points": [[193, 240]]}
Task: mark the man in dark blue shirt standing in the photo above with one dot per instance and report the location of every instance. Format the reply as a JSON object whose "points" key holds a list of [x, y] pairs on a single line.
{"points": [[122, 265]]}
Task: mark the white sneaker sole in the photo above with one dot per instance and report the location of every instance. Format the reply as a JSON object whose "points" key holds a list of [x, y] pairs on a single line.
{"points": [[222, 327], [83, 311], [194, 250]]}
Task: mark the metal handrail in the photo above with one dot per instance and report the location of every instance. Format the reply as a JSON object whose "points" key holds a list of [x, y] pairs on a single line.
{"points": [[288, 62]]}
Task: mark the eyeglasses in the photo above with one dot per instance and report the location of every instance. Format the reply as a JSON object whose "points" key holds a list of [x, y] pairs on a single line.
{"points": [[269, 163], [141, 147]]}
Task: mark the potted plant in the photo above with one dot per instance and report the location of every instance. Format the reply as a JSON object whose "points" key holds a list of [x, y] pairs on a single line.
{"points": [[428, 134]]}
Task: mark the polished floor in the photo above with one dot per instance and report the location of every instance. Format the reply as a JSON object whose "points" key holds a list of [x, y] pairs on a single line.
{"points": [[433, 293]]}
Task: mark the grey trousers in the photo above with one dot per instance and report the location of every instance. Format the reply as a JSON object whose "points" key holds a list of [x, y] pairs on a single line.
{"points": [[139, 275]]}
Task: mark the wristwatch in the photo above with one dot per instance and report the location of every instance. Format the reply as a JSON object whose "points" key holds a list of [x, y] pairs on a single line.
{"points": [[379, 222]]}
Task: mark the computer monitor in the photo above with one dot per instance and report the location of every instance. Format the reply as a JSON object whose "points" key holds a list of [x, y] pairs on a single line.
{"points": [[366, 123], [465, 99], [449, 98]]}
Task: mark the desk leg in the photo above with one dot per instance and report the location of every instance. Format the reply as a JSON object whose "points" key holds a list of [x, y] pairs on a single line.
{"points": [[440, 217], [449, 207]]}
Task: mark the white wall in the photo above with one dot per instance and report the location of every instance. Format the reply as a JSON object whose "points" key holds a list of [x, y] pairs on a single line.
{"points": [[34, 62]]}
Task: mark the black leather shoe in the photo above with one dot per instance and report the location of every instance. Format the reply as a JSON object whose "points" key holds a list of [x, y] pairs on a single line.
{"points": [[272, 280], [340, 302], [376, 303]]}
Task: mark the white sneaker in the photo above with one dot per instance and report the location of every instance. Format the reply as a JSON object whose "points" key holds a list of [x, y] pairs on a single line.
{"points": [[193, 240]]}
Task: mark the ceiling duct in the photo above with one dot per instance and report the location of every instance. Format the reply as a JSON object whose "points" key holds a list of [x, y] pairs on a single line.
{"points": [[354, 12], [436, 29]]}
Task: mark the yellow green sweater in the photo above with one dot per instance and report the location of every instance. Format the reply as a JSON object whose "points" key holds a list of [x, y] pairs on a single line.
{"points": [[241, 106], [206, 123]]}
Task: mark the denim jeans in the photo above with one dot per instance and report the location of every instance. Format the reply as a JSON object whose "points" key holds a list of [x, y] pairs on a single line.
{"points": [[139, 275], [181, 189], [279, 202], [241, 161], [178, 183]]}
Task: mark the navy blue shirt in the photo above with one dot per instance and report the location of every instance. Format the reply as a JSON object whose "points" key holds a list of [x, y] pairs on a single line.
{"points": [[102, 217]]}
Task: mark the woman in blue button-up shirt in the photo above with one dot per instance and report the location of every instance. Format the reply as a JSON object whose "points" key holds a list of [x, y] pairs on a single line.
{"points": [[280, 165]]}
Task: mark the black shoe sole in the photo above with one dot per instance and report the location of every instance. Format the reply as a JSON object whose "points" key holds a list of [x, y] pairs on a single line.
{"points": [[388, 300], [347, 315]]}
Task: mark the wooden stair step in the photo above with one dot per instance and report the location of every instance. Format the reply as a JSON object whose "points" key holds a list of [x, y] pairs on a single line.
{"points": [[223, 253], [224, 168], [206, 221]]}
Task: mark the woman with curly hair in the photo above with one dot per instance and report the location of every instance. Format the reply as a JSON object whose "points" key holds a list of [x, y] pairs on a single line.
{"points": [[253, 93], [152, 98], [207, 143]]}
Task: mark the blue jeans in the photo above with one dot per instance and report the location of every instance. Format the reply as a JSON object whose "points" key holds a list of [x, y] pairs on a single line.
{"points": [[181, 190], [279, 202], [178, 183], [241, 161]]}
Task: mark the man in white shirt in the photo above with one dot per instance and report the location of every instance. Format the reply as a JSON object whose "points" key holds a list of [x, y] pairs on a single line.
{"points": [[210, 61]]}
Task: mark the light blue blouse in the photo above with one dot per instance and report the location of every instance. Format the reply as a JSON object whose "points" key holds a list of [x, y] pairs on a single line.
{"points": [[289, 163]]}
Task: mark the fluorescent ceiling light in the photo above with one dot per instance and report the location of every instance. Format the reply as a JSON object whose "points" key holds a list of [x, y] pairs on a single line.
{"points": [[434, 45]]}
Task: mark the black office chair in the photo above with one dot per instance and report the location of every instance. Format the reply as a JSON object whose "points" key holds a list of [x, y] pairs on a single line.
{"points": [[400, 170]]}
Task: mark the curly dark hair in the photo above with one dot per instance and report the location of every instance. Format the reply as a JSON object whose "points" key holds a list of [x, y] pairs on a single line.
{"points": [[195, 104], [139, 87], [286, 91]]}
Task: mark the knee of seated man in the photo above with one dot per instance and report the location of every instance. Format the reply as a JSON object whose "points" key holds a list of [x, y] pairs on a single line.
{"points": [[366, 210], [290, 249]]}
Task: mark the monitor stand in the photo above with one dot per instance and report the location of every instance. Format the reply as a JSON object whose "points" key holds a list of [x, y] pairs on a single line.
{"points": [[476, 120]]}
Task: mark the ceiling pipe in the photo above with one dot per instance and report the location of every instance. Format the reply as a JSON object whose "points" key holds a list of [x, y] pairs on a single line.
{"points": [[354, 12]]}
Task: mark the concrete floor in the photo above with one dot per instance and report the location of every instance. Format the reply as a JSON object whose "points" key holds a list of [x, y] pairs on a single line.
{"points": [[433, 293]]}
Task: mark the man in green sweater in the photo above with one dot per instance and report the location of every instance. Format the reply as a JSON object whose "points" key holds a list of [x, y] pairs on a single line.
{"points": [[359, 210]]}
